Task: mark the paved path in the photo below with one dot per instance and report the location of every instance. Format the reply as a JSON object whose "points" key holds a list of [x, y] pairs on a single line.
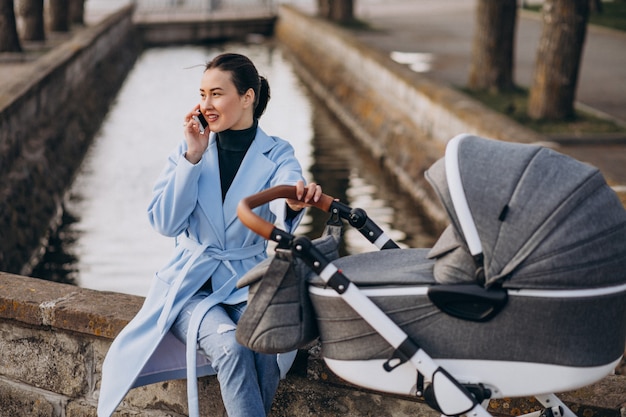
{"points": [[444, 28], [441, 32]]}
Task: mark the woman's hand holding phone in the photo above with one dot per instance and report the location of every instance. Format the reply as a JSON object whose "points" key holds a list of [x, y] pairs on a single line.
{"points": [[196, 134], [202, 122]]}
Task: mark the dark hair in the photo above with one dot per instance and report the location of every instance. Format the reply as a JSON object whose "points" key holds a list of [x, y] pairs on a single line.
{"points": [[244, 75]]}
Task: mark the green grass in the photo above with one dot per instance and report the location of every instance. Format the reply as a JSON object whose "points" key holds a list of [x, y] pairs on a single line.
{"points": [[612, 16], [513, 104]]}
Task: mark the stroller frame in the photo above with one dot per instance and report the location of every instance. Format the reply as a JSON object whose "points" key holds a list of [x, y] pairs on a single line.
{"points": [[440, 389]]}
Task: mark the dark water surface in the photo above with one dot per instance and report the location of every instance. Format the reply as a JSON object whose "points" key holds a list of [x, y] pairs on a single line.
{"points": [[106, 242]]}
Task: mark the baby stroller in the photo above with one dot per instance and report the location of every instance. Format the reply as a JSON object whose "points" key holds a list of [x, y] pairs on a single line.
{"points": [[523, 294]]}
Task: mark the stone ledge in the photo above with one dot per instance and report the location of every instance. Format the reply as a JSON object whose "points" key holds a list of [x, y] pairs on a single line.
{"points": [[66, 307], [54, 306]]}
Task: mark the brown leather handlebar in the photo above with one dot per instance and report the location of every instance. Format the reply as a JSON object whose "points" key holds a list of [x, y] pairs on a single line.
{"points": [[261, 226]]}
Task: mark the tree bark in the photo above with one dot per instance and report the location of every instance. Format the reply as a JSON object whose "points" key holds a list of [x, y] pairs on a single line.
{"points": [[77, 12], [491, 66], [30, 13], [323, 8], [9, 40], [59, 15], [336, 10], [553, 90]]}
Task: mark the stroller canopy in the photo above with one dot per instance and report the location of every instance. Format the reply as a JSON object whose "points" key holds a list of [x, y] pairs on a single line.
{"points": [[535, 218]]}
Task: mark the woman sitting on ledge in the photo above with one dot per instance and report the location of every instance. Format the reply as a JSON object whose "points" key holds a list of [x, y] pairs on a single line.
{"points": [[193, 301]]}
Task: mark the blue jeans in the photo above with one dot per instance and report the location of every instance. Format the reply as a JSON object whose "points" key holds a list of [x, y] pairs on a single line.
{"points": [[248, 380]]}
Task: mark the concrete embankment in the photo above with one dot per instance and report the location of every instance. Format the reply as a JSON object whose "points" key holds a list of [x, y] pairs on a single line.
{"points": [[50, 110], [186, 29]]}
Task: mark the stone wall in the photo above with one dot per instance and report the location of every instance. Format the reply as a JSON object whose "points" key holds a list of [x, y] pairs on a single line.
{"points": [[186, 31], [47, 121]]}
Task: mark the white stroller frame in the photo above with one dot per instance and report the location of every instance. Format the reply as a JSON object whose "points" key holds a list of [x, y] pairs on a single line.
{"points": [[453, 387]]}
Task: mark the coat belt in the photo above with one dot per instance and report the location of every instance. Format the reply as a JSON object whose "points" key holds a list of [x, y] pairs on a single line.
{"points": [[198, 250]]}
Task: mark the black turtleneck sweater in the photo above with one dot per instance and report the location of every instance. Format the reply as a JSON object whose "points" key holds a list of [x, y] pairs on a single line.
{"points": [[232, 146]]}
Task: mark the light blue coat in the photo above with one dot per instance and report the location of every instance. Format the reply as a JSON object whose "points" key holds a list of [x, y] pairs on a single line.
{"points": [[211, 242]]}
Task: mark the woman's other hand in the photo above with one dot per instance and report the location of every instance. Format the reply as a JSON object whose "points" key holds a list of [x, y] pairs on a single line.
{"points": [[307, 195]]}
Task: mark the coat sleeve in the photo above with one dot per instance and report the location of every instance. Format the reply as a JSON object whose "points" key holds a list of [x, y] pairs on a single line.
{"points": [[288, 172], [175, 194]]}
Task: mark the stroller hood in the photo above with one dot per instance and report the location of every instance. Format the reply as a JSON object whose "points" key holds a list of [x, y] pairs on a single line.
{"points": [[535, 218]]}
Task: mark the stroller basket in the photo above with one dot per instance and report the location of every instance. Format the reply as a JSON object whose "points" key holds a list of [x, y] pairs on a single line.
{"points": [[481, 315]]}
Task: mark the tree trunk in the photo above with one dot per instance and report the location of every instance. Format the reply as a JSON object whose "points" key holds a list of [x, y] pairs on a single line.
{"points": [[59, 15], [491, 66], [77, 12], [9, 40], [595, 6], [30, 13], [323, 8], [336, 10], [342, 10], [553, 91]]}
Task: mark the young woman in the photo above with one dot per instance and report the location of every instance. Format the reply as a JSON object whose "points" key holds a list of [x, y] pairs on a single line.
{"points": [[193, 306]]}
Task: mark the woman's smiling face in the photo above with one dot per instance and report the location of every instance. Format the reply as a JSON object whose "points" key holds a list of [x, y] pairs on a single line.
{"points": [[221, 104]]}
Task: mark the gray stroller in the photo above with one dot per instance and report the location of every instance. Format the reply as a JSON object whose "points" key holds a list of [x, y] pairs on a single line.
{"points": [[524, 293]]}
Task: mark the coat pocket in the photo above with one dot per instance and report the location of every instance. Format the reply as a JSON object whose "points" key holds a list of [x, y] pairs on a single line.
{"points": [[159, 287]]}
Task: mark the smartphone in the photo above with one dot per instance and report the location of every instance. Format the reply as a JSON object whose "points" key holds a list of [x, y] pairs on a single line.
{"points": [[201, 121]]}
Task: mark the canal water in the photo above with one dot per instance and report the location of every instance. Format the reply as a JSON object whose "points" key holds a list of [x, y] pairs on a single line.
{"points": [[106, 242]]}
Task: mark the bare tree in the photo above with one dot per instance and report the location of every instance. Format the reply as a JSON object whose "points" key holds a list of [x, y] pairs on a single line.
{"points": [[9, 40], [336, 10], [553, 90], [59, 15], [30, 14], [491, 66]]}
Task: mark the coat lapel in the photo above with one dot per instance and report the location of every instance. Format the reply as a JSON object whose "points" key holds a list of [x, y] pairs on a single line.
{"points": [[253, 174], [210, 190]]}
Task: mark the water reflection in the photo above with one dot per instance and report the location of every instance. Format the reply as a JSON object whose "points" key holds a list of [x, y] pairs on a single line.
{"points": [[58, 263], [112, 243]]}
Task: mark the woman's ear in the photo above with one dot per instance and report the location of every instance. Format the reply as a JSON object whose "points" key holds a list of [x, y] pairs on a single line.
{"points": [[248, 98]]}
